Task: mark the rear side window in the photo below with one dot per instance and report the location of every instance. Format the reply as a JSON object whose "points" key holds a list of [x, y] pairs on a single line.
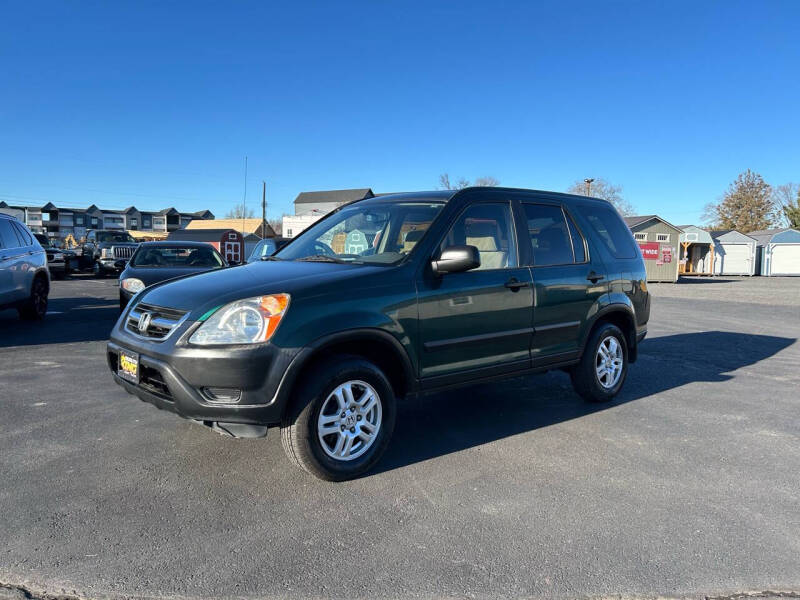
{"points": [[549, 234], [23, 235], [611, 230], [8, 239]]}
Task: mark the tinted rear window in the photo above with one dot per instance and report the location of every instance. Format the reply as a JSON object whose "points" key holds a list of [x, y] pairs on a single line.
{"points": [[611, 230]]}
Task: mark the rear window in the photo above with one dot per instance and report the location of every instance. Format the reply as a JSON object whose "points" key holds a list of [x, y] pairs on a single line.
{"points": [[611, 230], [189, 257]]}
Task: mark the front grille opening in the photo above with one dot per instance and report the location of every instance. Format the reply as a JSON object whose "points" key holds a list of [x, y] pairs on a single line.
{"points": [[162, 320], [151, 380]]}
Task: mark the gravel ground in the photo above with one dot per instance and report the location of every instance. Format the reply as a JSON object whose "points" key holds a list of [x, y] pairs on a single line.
{"points": [[687, 485]]}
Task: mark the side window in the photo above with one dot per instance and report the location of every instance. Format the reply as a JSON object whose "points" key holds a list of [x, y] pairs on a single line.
{"points": [[488, 227], [578, 243], [550, 236], [23, 235], [90, 237], [610, 230], [7, 235]]}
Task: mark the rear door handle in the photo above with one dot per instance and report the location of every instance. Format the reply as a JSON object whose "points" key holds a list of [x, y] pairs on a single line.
{"points": [[515, 284], [594, 277]]}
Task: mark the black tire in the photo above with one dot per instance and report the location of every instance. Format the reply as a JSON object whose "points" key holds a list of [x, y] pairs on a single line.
{"points": [[35, 307], [299, 436], [98, 270], [59, 275], [584, 375]]}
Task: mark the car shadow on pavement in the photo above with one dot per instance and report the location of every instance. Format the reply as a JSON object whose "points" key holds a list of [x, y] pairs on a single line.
{"points": [[68, 320], [471, 416]]}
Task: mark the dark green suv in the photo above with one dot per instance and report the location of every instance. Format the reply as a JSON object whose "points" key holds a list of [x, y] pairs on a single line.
{"points": [[384, 299]]}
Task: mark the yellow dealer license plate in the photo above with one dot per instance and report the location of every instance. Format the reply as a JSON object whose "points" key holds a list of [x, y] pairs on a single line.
{"points": [[128, 366]]}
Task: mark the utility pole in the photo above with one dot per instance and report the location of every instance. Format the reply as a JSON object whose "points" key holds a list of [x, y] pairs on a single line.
{"points": [[263, 209], [588, 183]]}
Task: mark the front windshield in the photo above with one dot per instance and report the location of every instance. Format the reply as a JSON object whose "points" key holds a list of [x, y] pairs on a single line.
{"points": [[115, 236], [263, 248], [365, 233], [176, 257]]}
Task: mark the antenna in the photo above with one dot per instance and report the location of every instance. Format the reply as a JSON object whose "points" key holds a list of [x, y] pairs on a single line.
{"points": [[244, 198]]}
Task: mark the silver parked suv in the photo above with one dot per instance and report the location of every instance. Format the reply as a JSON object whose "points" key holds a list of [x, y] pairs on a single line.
{"points": [[24, 279]]}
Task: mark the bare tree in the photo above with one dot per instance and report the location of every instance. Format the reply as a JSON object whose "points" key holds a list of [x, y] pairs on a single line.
{"points": [[748, 205], [277, 224], [463, 182], [239, 211], [487, 181], [787, 200], [602, 188]]}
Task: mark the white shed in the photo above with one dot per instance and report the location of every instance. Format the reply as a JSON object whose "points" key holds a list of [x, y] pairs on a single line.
{"points": [[734, 253], [778, 251]]}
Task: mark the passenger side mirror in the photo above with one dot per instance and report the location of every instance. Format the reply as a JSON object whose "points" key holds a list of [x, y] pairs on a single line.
{"points": [[456, 259]]}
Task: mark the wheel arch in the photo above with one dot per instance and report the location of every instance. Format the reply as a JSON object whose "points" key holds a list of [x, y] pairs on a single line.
{"points": [[622, 316], [375, 345]]}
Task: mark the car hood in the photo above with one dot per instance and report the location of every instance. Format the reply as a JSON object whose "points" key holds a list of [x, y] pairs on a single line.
{"points": [[200, 293]]}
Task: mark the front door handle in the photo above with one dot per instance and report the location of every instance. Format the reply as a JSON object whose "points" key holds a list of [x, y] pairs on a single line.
{"points": [[594, 277], [515, 284]]}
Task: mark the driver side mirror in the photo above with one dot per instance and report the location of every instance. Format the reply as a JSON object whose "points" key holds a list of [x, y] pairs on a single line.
{"points": [[456, 259]]}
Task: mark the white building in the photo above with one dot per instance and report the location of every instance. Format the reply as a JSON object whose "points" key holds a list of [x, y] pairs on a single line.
{"points": [[309, 207]]}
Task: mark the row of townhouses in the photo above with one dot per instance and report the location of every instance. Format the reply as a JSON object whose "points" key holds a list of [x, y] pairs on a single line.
{"points": [[59, 222]]}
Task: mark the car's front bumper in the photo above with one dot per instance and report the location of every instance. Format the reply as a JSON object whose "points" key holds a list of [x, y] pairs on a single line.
{"points": [[174, 376]]}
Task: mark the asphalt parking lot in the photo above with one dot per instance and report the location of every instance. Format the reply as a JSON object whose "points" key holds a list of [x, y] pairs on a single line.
{"points": [[687, 485]]}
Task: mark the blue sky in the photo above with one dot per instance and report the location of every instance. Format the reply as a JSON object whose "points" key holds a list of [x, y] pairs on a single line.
{"points": [[157, 103]]}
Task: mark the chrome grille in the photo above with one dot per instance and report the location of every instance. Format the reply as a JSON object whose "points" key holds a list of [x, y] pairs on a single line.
{"points": [[159, 323], [123, 251]]}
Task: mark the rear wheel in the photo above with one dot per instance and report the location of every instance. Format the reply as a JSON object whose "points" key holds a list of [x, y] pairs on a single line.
{"points": [[339, 423], [601, 373], [35, 308]]}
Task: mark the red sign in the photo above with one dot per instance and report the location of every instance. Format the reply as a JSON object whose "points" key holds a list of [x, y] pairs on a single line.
{"points": [[666, 251], [649, 250]]}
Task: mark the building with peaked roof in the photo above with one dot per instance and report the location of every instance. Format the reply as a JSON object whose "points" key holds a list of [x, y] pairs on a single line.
{"points": [[696, 251], [777, 251], [734, 252], [59, 222], [255, 227], [309, 207], [658, 240]]}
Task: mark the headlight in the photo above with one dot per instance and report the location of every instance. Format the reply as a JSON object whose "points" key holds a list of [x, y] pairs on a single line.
{"points": [[132, 285], [249, 321], [58, 256], [106, 253]]}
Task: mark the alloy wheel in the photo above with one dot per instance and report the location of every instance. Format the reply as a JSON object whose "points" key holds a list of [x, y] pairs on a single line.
{"points": [[608, 362], [350, 420]]}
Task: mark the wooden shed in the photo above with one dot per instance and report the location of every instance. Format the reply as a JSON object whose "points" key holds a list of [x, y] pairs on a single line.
{"points": [[229, 242], [777, 252], [734, 253], [697, 251], [658, 240]]}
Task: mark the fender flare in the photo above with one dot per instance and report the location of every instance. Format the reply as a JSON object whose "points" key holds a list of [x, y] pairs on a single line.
{"points": [[618, 308]]}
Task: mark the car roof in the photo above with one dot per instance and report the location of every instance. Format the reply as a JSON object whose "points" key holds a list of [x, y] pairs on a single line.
{"points": [[447, 195], [176, 244]]}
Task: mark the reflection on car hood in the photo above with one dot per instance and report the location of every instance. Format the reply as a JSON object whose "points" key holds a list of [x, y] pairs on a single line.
{"points": [[152, 275], [200, 293]]}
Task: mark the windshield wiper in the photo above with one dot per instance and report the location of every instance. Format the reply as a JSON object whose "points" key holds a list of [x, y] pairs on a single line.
{"points": [[321, 258], [270, 258]]}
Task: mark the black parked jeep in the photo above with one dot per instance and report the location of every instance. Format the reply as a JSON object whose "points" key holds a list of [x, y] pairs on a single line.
{"points": [[386, 298], [106, 251]]}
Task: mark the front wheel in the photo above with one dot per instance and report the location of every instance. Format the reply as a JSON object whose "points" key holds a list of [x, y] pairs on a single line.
{"points": [[340, 421], [604, 365], [98, 270]]}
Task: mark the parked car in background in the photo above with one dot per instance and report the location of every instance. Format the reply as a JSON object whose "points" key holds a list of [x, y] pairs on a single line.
{"points": [[384, 298], [24, 278], [104, 249], [267, 247], [56, 260], [154, 262]]}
